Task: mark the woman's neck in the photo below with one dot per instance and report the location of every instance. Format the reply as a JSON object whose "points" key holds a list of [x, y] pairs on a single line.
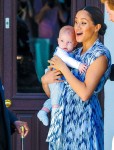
{"points": [[88, 44]]}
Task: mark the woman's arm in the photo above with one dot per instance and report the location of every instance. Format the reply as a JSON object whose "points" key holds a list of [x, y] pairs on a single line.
{"points": [[39, 17], [93, 75], [45, 85]]}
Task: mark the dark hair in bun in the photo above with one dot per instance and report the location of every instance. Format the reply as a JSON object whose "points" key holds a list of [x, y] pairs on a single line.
{"points": [[97, 18]]}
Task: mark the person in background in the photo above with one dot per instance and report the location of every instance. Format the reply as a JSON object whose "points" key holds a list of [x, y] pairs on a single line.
{"points": [[109, 4], [65, 50], [9, 124], [48, 18], [78, 123]]}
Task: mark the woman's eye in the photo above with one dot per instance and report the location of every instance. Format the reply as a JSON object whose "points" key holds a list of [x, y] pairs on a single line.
{"points": [[83, 23], [80, 23]]}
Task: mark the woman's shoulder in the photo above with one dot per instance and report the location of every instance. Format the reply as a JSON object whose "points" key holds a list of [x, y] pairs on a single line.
{"points": [[100, 49], [99, 46]]}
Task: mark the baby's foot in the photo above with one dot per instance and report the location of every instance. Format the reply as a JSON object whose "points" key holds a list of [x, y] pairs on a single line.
{"points": [[42, 115]]}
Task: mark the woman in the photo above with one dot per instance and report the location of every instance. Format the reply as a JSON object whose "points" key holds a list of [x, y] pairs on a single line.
{"points": [[78, 124]]}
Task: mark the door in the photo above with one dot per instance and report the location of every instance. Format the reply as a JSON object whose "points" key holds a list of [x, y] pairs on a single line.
{"points": [[22, 62]]}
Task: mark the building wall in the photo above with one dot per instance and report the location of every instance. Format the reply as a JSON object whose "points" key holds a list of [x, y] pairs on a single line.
{"points": [[109, 89]]}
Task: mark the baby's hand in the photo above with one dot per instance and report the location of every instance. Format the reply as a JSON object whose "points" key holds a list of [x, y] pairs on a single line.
{"points": [[82, 68]]}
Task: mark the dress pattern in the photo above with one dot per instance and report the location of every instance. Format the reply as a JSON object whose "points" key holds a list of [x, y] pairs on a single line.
{"points": [[78, 125]]}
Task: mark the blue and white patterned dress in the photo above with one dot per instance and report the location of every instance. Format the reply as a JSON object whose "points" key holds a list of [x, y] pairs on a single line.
{"points": [[78, 125]]}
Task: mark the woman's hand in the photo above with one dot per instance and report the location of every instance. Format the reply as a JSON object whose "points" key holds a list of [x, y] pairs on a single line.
{"points": [[57, 63], [51, 76]]}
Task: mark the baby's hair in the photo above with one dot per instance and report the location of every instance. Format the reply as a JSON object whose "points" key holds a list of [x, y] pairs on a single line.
{"points": [[69, 29]]}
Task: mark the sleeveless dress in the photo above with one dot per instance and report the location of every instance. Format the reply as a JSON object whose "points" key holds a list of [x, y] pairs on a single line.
{"points": [[78, 125]]}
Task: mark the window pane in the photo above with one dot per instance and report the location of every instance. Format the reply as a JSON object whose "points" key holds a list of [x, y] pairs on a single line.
{"points": [[38, 24]]}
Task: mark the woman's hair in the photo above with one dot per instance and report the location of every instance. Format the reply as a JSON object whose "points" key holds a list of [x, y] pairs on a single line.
{"points": [[110, 3], [97, 17]]}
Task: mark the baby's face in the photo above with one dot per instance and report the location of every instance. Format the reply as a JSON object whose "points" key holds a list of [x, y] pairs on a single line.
{"points": [[67, 42]]}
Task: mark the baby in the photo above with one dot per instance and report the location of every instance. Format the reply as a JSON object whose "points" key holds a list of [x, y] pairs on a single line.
{"points": [[66, 45]]}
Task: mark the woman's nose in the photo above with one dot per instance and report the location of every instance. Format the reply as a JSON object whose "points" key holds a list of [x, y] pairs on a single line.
{"points": [[78, 25]]}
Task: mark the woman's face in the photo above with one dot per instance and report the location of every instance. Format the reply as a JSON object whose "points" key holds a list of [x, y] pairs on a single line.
{"points": [[84, 27], [110, 12]]}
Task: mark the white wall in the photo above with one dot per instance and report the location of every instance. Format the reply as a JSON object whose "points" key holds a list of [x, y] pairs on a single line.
{"points": [[109, 89]]}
